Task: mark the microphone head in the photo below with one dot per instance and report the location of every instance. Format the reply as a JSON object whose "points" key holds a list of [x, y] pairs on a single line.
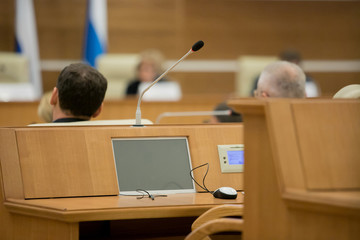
{"points": [[197, 46]]}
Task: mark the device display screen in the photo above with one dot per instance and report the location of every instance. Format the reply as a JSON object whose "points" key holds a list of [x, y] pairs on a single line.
{"points": [[153, 164], [235, 157]]}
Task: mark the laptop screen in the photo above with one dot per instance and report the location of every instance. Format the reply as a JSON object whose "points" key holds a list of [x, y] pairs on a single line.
{"points": [[157, 165]]}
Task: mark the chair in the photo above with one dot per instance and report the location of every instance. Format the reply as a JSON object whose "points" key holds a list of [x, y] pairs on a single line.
{"points": [[15, 84], [118, 69], [250, 67], [14, 68], [349, 91], [215, 221]]}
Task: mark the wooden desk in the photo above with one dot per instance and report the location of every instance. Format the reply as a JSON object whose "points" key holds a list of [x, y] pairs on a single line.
{"points": [[67, 213], [117, 207], [54, 181], [302, 168]]}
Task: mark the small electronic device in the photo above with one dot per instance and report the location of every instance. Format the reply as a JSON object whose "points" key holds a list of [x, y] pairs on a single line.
{"points": [[159, 165], [231, 158], [225, 193]]}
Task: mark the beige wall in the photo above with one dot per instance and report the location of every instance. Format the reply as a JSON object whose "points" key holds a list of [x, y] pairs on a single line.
{"points": [[324, 30]]}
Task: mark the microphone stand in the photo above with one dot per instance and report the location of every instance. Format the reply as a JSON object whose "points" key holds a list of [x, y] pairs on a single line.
{"points": [[138, 110]]}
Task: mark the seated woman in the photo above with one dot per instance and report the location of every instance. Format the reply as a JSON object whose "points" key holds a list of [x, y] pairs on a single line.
{"points": [[148, 69]]}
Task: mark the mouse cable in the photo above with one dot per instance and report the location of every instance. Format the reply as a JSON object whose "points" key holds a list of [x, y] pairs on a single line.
{"points": [[207, 170]]}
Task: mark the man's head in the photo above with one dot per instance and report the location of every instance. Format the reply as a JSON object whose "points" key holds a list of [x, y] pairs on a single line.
{"points": [[281, 79], [79, 92]]}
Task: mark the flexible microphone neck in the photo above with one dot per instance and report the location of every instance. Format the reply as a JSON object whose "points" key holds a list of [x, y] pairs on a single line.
{"points": [[194, 48]]}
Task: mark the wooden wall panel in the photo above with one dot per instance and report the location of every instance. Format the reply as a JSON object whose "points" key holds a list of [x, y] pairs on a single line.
{"points": [[205, 83], [224, 83], [321, 30], [7, 25], [138, 25], [60, 28], [234, 28], [230, 28], [330, 83]]}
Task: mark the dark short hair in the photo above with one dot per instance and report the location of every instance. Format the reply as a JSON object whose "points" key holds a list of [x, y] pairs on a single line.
{"points": [[81, 89], [290, 55]]}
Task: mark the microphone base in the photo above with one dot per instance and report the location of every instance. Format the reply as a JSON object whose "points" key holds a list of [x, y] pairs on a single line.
{"points": [[138, 125]]}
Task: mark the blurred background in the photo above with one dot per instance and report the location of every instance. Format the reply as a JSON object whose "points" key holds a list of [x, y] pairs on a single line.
{"points": [[320, 30], [325, 33]]}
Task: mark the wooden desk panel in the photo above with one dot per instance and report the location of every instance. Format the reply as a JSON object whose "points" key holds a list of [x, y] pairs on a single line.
{"points": [[117, 207], [78, 161], [338, 161], [74, 163], [292, 184], [64, 218]]}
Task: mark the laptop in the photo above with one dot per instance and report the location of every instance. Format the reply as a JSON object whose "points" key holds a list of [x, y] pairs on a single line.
{"points": [[159, 165]]}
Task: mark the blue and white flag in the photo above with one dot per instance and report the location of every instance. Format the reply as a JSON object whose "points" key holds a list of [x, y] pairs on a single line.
{"points": [[27, 41], [95, 30]]}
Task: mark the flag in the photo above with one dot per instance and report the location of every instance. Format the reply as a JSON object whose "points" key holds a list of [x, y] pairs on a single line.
{"points": [[27, 41], [95, 30]]}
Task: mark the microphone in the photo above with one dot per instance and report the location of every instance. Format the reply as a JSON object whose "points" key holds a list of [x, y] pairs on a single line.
{"points": [[197, 46]]}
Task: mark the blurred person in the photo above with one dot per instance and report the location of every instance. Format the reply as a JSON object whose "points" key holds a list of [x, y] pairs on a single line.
{"points": [[44, 110], [149, 68], [232, 117], [290, 55], [311, 87], [79, 94], [281, 79]]}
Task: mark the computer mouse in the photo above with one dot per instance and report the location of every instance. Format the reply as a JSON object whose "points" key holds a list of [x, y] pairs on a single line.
{"points": [[225, 193]]}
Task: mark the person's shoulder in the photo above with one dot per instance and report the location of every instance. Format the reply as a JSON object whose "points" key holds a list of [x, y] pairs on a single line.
{"points": [[132, 87]]}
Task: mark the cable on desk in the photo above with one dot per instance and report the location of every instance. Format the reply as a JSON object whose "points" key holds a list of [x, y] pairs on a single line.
{"points": [[143, 192], [207, 170]]}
